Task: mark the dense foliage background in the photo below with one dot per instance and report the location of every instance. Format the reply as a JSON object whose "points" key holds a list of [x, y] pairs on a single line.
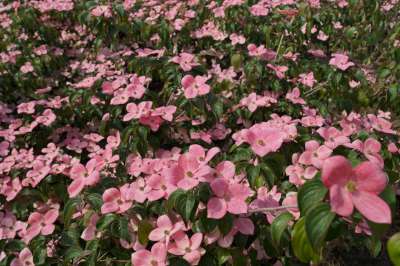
{"points": [[197, 132]]}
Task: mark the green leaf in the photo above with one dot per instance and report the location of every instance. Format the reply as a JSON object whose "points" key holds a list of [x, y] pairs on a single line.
{"points": [[279, 226], [301, 245], [317, 222], [225, 224], [69, 210], [393, 248], [223, 255], [144, 230], [72, 253], [105, 221], [95, 200], [171, 203], [310, 194], [190, 206]]}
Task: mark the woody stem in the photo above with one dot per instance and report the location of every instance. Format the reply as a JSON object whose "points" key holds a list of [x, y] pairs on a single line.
{"points": [[271, 209]]}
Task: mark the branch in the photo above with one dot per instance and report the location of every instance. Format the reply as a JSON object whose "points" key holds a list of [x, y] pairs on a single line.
{"points": [[271, 209]]}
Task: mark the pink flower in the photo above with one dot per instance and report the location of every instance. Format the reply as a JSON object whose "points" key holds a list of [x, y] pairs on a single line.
{"points": [[165, 229], [156, 257], [294, 96], [4, 145], [358, 187], [237, 39], [267, 199], [159, 187], [90, 231], [264, 140], [40, 224], [333, 137], [229, 198], [188, 248], [117, 200], [46, 118], [24, 258], [185, 60], [279, 70], [136, 111], [370, 148], [340, 61], [195, 86], [307, 79], [314, 154], [83, 176], [26, 108]]}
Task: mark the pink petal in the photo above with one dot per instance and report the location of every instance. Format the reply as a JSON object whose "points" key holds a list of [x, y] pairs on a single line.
{"points": [[187, 81], [111, 194], [372, 207], [372, 145], [341, 200], [76, 187], [159, 251], [370, 177], [196, 240], [237, 206], [226, 169], [109, 207], [192, 257], [47, 229], [157, 234], [51, 216], [164, 222], [141, 258], [244, 225], [336, 170], [216, 208], [219, 187], [181, 240]]}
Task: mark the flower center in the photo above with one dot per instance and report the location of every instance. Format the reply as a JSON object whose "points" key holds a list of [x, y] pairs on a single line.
{"points": [[189, 174], [351, 186], [188, 250], [260, 142]]}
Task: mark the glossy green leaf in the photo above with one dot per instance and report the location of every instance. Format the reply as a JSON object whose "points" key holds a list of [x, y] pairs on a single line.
{"points": [[317, 223]]}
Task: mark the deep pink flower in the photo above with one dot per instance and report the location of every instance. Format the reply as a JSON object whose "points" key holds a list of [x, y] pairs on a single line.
{"points": [[188, 248], [358, 187], [195, 86], [156, 257]]}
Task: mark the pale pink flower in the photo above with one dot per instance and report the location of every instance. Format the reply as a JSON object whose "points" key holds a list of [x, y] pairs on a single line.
{"points": [[83, 176], [294, 96], [264, 140], [24, 258], [229, 198], [195, 86], [358, 187], [340, 61], [237, 39], [117, 200], [156, 257], [307, 79], [185, 60], [188, 248], [39, 223], [333, 137], [315, 154], [89, 233], [165, 229]]}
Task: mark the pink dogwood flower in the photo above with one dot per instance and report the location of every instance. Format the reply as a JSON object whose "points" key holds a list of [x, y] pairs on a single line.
{"points": [[156, 257], [185, 60], [24, 258], [40, 224], [117, 200], [264, 140], [188, 248], [370, 148], [333, 137], [340, 61], [83, 176], [165, 229], [358, 187], [195, 86], [228, 198], [315, 154]]}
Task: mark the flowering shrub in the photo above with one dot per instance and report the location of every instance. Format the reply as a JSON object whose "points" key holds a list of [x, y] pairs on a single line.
{"points": [[197, 132]]}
